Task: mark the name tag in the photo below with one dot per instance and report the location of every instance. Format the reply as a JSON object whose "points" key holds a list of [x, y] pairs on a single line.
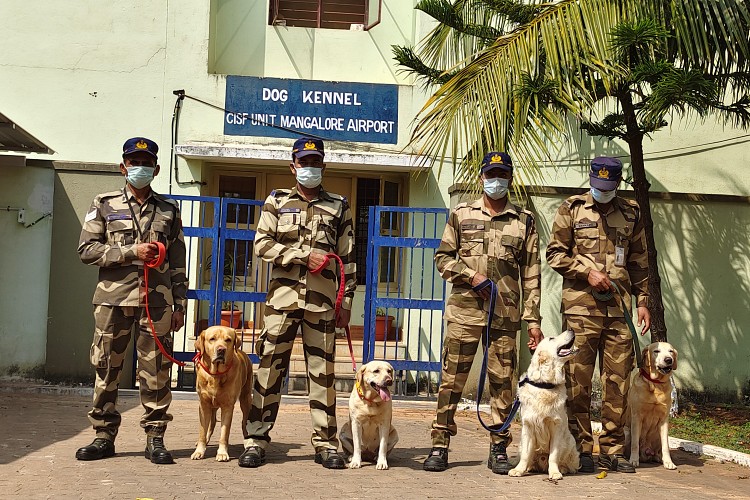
{"points": [[619, 256], [472, 227], [289, 211], [584, 225], [119, 217]]}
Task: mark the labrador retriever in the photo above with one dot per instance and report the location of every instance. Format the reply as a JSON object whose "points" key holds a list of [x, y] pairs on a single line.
{"points": [[369, 433], [546, 441], [223, 375], [649, 402]]}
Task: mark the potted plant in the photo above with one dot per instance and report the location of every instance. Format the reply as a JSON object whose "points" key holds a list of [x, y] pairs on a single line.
{"points": [[230, 314], [383, 324]]}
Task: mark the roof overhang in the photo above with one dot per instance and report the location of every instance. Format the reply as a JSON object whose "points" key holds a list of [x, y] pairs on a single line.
{"points": [[237, 153], [14, 138]]}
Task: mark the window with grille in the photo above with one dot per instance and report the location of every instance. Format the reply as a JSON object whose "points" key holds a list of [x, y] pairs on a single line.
{"points": [[332, 14]]}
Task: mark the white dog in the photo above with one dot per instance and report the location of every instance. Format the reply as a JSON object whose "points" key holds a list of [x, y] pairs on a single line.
{"points": [[369, 433], [546, 441], [649, 402]]}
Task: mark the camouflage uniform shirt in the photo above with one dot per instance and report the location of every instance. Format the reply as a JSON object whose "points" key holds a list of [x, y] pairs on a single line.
{"points": [[109, 238], [503, 247], [290, 228], [583, 238]]}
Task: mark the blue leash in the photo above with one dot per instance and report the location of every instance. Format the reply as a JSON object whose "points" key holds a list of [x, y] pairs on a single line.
{"points": [[495, 428]]}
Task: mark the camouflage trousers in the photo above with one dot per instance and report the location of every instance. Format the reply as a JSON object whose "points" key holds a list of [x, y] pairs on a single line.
{"points": [[459, 349], [113, 329], [274, 347], [611, 341]]}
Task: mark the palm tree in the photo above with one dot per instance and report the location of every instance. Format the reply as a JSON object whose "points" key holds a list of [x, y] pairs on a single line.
{"points": [[512, 73]]}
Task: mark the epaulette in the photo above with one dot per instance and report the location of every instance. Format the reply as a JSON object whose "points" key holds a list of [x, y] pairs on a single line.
{"points": [[463, 204], [276, 193], [110, 194], [576, 198]]}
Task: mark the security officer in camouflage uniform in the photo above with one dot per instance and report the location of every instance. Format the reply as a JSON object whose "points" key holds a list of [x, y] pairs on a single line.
{"points": [[297, 228], [119, 234], [598, 243], [488, 239]]}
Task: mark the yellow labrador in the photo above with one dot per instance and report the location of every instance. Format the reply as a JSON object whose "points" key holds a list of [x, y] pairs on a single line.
{"points": [[369, 433], [649, 402], [546, 441], [223, 375]]}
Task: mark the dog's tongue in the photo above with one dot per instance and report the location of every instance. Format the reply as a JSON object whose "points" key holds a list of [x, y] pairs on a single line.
{"points": [[384, 394]]}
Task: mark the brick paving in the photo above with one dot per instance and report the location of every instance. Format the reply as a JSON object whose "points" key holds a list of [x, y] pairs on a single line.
{"points": [[43, 429]]}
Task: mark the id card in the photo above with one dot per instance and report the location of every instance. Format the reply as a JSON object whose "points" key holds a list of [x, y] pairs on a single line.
{"points": [[619, 256]]}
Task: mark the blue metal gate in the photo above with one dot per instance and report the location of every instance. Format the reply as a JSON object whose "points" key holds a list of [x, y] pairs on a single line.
{"points": [[405, 296], [227, 282]]}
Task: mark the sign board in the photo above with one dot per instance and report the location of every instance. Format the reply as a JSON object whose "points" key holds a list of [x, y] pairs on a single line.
{"points": [[338, 111]]}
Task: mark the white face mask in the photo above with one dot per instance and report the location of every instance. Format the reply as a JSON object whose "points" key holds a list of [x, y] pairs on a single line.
{"points": [[603, 196], [140, 177], [309, 177], [496, 188]]}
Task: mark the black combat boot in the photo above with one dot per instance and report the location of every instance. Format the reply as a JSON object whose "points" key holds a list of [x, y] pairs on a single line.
{"points": [[586, 463], [330, 459], [616, 463], [156, 452], [437, 460], [100, 448], [498, 460], [253, 456]]}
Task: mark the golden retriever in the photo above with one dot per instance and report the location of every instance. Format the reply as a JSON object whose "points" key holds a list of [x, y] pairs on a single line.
{"points": [[369, 434], [649, 402], [223, 375], [546, 441]]}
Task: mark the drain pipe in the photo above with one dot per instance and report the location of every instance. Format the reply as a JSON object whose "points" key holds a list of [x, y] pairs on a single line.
{"points": [[172, 155]]}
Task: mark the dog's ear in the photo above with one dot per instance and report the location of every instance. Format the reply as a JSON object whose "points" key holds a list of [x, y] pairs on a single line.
{"points": [[646, 354], [236, 340], [199, 342], [674, 357], [361, 375]]}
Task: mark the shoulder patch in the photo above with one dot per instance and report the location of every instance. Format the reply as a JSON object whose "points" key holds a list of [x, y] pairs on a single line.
{"points": [[277, 193], [91, 215]]}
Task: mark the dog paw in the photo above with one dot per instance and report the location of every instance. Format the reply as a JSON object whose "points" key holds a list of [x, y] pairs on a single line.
{"points": [[197, 454], [668, 464], [555, 476], [635, 462], [355, 464], [382, 466], [516, 473], [222, 457]]}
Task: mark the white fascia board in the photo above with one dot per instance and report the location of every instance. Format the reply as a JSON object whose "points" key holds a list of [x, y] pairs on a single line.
{"points": [[225, 153]]}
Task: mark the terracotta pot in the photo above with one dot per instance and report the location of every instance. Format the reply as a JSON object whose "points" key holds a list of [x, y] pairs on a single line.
{"points": [[231, 318], [383, 327]]}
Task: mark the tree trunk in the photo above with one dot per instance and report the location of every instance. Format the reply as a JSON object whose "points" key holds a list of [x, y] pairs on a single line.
{"points": [[641, 187]]}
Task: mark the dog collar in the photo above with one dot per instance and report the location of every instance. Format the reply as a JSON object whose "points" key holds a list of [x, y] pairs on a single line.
{"points": [[541, 385], [197, 359], [646, 375], [361, 394]]}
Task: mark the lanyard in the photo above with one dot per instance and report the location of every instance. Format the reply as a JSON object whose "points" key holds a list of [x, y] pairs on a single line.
{"points": [[135, 219]]}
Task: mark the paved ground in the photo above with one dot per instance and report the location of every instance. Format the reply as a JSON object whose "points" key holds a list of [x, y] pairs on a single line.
{"points": [[43, 430]]}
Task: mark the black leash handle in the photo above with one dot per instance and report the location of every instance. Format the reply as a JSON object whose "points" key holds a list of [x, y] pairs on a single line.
{"points": [[495, 428]]}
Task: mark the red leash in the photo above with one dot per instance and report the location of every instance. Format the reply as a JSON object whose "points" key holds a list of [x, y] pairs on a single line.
{"points": [[197, 360], [156, 262], [339, 298]]}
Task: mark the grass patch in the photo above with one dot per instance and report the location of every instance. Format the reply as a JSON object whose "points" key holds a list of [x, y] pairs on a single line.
{"points": [[726, 426]]}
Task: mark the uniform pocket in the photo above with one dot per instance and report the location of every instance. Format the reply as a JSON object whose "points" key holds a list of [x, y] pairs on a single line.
{"points": [[100, 350], [587, 240], [511, 247], [287, 229], [120, 231], [326, 225], [472, 243], [159, 232]]}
